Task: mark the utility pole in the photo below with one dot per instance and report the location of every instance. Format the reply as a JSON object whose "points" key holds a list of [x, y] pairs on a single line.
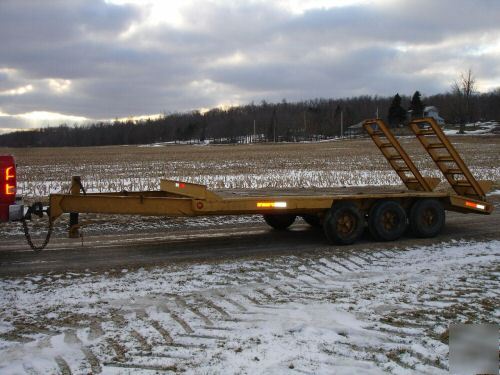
{"points": [[377, 113], [274, 131], [254, 131], [342, 123]]}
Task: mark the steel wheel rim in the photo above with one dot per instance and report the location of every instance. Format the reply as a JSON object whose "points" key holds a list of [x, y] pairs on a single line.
{"points": [[346, 224], [389, 220], [428, 217]]}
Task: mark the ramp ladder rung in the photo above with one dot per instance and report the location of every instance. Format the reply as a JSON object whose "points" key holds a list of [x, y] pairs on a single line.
{"points": [[424, 132], [395, 157], [453, 171], [386, 145], [462, 183], [435, 145], [444, 158]]}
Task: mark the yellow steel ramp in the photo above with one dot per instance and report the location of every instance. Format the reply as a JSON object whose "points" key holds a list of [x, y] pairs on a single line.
{"points": [[447, 159], [397, 157]]}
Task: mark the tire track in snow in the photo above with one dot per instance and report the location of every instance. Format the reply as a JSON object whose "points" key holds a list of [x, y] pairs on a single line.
{"points": [[402, 295]]}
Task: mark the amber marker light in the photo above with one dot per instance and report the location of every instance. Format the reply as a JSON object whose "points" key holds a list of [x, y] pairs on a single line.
{"points": [[475, 205], [271, 204]]}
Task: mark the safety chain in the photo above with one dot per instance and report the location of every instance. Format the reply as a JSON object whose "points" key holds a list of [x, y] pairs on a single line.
{"points": [[36, 209], [29, 240]]}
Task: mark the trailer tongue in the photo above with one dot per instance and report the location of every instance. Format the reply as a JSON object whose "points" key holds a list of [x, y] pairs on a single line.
{"points": [[343, 215]]}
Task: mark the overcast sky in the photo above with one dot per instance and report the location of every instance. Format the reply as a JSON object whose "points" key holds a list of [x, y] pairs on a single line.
{"points": [[72, 60]]}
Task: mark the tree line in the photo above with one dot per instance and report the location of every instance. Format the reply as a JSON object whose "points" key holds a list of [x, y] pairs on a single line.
{"points": [[276, 122]]}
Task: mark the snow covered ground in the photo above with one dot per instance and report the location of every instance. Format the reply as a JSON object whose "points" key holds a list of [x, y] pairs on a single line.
{"points": [[476, 128], [368, 311]]}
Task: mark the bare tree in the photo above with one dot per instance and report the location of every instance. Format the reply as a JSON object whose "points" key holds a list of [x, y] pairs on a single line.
{"points": [[463, 90]]}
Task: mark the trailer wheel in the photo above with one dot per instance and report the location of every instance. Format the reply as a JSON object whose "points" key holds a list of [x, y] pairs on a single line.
{"points": [[312, 220], [343, 223], [427, 218], [387, 221], [279, 222]]}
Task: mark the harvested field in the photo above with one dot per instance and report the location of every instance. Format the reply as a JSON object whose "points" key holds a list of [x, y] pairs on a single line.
{"points": [[337, 163]]}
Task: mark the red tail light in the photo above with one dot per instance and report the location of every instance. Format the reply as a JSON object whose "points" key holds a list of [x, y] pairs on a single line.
{"points": [[7, 185]]}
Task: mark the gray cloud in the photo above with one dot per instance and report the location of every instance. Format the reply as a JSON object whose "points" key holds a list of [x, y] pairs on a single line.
{"points": [[234, 53]]}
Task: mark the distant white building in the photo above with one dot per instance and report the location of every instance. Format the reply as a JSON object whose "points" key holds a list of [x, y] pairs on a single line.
{"points": [[432, 111]]}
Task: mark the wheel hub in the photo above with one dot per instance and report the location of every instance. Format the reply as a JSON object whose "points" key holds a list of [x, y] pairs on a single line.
{"points": [[345, 224], [389, 220], [428, 217]]}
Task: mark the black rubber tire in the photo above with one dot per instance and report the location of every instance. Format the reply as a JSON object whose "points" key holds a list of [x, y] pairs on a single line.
{"points": [[427, 218], [312, 220], [387, 221], [347, 216], [279, 222]]}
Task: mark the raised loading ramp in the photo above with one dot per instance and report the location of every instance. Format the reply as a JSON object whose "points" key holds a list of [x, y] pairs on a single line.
{"points": [[447, 159], [397, 157]]}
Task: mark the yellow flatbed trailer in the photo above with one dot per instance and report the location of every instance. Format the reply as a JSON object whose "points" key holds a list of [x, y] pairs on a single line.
{"points": [[343, 213]]}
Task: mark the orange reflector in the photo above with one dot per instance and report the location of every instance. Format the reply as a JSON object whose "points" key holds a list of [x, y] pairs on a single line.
{"points": [[475, 205], [271, 204]]}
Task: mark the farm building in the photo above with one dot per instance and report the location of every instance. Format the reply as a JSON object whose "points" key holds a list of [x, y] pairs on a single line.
{"points": [[431, 111]]}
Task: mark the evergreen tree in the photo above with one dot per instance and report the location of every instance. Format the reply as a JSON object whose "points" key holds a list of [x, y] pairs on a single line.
{"points": [[416, 106], [396, 114]]}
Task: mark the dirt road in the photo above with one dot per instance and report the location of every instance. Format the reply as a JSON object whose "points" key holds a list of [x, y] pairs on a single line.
{"points": [[211, 244]]}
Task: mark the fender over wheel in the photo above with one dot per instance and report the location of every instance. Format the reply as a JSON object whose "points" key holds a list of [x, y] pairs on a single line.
{"points": [[387, 221], [279, 222], [427, 218], [343, 224]]}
